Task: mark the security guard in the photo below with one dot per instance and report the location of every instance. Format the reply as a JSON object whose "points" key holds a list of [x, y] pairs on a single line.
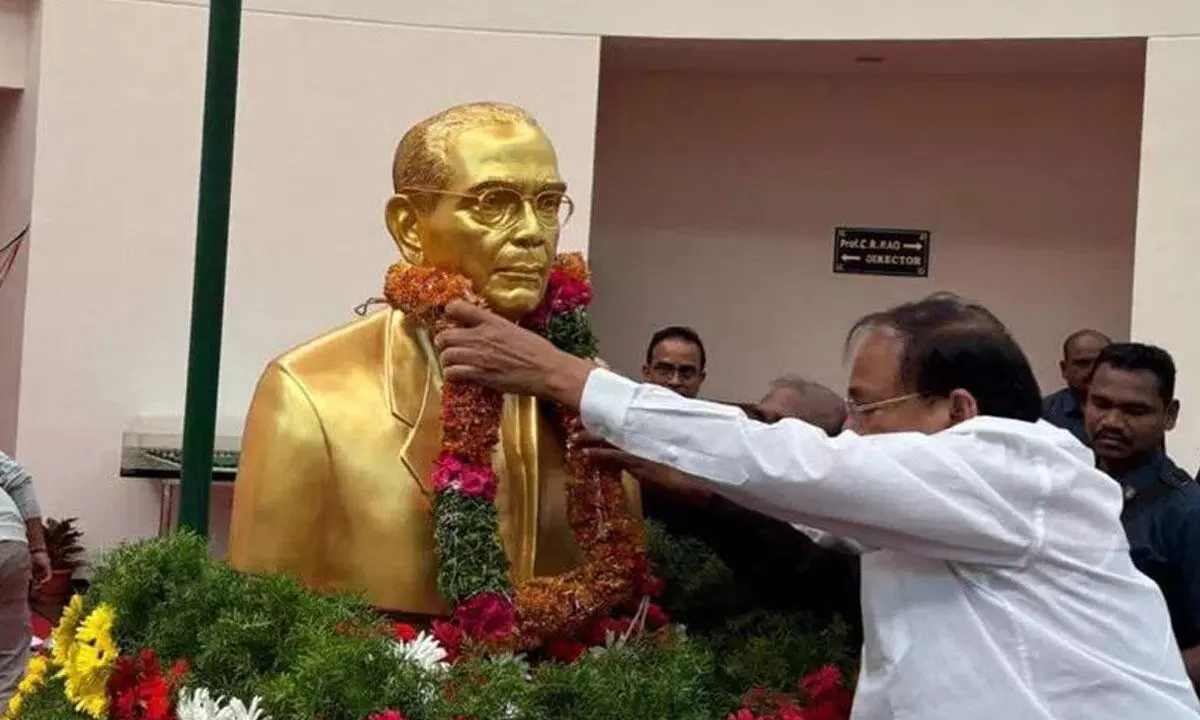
{"points": [[1129, 409]]}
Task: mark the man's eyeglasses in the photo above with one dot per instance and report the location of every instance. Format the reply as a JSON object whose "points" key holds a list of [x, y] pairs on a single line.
{"points": [[856, 409], [504, 206], [686, 373]]}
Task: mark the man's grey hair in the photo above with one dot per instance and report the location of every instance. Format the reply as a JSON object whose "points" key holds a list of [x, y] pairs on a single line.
{"points": [[817, 404]]}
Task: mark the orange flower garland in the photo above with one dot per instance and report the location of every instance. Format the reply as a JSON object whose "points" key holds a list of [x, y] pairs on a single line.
{"points": [[473, 569]]}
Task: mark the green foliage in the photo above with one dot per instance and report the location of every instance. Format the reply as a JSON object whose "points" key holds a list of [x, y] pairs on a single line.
{"points": [[700, 588], [311, 657], [572, 333], [773, 650], [50, 703], [484, 689], [642, 680], [754, 648], [339, 677], [471, 558], [63, 543]]}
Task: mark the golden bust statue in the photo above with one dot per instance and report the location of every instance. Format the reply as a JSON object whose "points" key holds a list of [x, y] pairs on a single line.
{"points": [[333, 487]]}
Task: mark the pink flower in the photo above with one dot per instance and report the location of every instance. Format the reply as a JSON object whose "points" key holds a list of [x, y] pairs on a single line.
{"points": [[450, 473], [388, 715], [743, 714], [566, 293], [822, 684], [486, 616]]}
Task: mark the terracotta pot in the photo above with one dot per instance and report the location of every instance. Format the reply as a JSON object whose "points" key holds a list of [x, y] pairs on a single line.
{"points": [[56, 591]]}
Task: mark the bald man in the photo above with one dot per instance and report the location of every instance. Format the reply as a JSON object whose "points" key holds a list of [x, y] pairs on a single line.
{"points": [[1065, 407], [797, 397]]}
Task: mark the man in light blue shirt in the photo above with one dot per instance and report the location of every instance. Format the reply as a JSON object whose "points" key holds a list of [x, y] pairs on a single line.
{"points": [[23, 557]]}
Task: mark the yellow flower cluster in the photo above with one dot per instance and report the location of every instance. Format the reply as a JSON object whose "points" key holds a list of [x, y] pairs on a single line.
{"points": [[35, 678], [84, 652]]}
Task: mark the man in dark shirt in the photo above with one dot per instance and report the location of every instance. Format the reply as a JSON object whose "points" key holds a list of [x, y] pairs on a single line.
{"points": [[1130, 406], [1065, 407]]}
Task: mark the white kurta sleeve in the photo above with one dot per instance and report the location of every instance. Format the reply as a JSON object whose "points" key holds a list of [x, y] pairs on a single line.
{"points": [[912, 492]]}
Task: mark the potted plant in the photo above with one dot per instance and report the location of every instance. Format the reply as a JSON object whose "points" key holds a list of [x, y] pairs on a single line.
{"points": [[66, 556]]}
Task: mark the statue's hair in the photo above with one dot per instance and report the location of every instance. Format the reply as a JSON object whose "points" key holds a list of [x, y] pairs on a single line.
{"points": [[421, 155]]}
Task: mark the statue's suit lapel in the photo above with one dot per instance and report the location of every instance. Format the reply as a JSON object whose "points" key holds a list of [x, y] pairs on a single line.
{"points": [[413, 397]]}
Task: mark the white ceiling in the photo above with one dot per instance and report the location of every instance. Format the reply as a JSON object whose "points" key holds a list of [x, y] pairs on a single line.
{"points": [[944, 57]]}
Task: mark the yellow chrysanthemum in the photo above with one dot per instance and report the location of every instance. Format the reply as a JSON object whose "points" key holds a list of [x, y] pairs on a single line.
{"points": [[35, 677], [63, 636], [90, 661]]}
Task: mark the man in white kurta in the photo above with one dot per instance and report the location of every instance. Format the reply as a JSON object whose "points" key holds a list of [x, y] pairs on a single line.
{"points": [[997, 584]]}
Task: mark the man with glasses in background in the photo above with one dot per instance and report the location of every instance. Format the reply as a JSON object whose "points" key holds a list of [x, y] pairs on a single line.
{"points": [[675, 359]]}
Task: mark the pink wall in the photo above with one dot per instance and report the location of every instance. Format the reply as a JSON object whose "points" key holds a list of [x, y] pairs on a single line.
{"points": [[716, 196]]}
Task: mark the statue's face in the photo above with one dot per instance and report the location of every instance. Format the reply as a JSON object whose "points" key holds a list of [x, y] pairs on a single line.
{"points": [[504, 248]]}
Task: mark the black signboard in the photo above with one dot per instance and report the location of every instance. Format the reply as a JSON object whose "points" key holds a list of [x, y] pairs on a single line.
{"points": [[870, 251]]}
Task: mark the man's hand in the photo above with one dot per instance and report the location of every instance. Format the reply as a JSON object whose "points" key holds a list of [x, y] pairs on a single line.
{"points": [[491, 351], [41, 568]]}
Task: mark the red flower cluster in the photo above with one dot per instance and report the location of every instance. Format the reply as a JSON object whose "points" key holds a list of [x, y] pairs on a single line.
{"points": [[450, 637], [138, 689], [388, 715], [826, 698], [403, 632], [486, 617], [569, 648]]}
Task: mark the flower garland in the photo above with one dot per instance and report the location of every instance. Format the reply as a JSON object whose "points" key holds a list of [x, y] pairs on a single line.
{"points": [[473, 572]]}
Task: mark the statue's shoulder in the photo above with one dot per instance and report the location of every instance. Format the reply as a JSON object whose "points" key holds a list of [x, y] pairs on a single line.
{"points": [[360, 344]]}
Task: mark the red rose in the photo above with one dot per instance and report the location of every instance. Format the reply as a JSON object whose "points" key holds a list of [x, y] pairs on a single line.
{"points": [[388, 715], [403, 632], [596, 634], [743, 714], [821, 684], [450, 637], [656, 617], [486, 616], [565, 649], [652, 586]]}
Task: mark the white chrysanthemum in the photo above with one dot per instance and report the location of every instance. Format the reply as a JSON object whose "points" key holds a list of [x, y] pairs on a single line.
{"points": [[424, 650], [199, 705]]}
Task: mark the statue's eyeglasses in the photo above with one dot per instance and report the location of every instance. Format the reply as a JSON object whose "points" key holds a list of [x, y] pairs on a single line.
{"points": [[503, 206]]}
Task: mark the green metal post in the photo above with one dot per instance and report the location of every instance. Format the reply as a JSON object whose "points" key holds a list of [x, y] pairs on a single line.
{"points": [[208, 279]]}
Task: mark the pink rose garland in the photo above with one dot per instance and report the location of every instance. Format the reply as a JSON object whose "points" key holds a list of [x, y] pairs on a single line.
{"points": [[452, 473]]}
